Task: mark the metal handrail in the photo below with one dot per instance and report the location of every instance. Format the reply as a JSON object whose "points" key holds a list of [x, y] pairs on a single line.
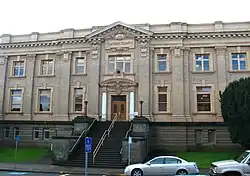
{"points": [[105, 134], [83, 132], [126, 136]]}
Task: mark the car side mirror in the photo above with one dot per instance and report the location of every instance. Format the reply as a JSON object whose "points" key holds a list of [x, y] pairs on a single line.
{"points": [[148, 163], [248, 162]]}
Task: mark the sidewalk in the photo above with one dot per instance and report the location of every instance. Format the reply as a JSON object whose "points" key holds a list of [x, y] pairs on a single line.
{"points": [[45, 168], [52, 169]]}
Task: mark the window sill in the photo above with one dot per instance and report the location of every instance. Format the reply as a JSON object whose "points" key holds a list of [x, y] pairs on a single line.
{"points": [[79, 74], [239, 71], [163, 113], [162, 72], [18, 77], [43, 113], [204, 113], [41, 76], [111, 74], [9, 112], [202, 72]]}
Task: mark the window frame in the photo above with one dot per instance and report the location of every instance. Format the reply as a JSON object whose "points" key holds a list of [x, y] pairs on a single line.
{"points": [[115, 56], [204, 93], [83, 98], [36, 129], [166, 62], [44, 132], [202, 62], [38, 99], [201, 136], [10, 99], [13, 68], [238, 60], [47, 59], [162, 93], [213, 132], [156, 106], [76, 65]]}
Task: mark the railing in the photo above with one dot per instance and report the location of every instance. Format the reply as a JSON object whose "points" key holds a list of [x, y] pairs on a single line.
{"points": [[126, 136], [83, 132], [105, 134]]}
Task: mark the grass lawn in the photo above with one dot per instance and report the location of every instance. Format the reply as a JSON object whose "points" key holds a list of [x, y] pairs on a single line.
{"points": [[204, 159], [23, 154]]}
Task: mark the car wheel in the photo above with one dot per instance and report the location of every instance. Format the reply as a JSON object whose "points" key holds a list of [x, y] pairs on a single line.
{"points": [[137, 172], [182, 172]]}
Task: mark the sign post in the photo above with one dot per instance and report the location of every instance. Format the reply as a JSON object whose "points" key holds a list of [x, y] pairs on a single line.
{"points": [[17, 140], [129, 149], [88, 149]]}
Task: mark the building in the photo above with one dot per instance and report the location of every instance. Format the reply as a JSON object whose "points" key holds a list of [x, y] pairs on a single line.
{"points": [[177, 70]]}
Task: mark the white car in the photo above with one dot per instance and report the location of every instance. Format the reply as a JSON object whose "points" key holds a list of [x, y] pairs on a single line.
{"points": [[163, 165]]}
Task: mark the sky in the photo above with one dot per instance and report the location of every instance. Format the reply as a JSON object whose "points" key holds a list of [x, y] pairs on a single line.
{"points": [[26, 16]]}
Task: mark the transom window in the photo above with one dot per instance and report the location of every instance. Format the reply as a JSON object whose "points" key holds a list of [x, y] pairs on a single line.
{"points": [[78, 99], [239, 61], [204, 99], [47, 67], [45, 100], [162, 99], [18, 68], [162, 62], [121, 63], [80, 65], [202, 62], [16, 100]]}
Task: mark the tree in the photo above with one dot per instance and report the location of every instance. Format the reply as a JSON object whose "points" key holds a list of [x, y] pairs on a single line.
{"points": [[235, 108]]}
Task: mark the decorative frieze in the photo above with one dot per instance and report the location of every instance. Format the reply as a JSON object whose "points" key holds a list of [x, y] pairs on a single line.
{"points": [[144, 46], [95, 48]]}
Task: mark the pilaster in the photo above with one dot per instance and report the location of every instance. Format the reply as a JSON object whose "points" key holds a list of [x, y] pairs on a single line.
{"points": [[3, 70]]}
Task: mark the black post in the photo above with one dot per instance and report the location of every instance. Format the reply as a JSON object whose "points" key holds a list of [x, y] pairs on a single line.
{"points": [[85, 108], [141, 102]]}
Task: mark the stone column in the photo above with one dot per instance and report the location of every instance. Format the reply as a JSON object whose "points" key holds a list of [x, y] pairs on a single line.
{"points": [[131, 103], [3, 74], [61, 110], [177, 68], [104, 105], [222, 66], [143, 74], [93, 71], [29, 107]]}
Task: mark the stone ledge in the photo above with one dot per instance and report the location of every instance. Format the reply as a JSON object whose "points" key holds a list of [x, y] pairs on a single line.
{"points": [[82, 119]]}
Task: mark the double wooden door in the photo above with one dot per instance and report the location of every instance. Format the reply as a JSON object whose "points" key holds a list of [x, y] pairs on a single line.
{"points": [[119, 107]]}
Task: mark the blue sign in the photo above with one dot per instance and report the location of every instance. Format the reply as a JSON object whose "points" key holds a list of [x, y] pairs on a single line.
{"points": [[17, 138], [88, 144]]}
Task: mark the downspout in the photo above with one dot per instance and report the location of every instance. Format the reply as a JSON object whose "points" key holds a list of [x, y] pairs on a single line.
{"points": [[99, 82], [32, 88], [69, 76], [4, 88], [150, 81]]}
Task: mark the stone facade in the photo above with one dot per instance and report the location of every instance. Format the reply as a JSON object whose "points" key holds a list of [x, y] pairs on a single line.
{"points": [[178, 57]]}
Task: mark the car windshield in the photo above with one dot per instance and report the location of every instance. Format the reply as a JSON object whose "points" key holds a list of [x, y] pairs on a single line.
{"points": [[242, 156]]}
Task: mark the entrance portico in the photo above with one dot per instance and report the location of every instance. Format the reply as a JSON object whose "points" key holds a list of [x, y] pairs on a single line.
{"points": [[118, 96]]}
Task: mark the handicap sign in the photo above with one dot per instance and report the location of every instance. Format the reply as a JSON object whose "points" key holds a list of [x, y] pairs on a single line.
{"points": [[88, 144], [17, 138]]}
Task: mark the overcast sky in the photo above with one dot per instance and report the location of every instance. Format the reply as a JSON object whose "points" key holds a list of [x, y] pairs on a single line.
{"points": [[26, 16]]}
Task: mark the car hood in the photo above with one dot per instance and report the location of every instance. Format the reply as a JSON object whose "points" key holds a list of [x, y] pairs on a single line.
{"points": [[225, 162]]}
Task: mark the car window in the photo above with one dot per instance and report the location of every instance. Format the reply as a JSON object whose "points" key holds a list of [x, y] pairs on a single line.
{"points": [[157, 161], [172, 161]]}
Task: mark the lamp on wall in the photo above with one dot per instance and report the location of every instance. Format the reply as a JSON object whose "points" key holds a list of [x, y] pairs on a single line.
{"points": [[85, 107], [141, 102]]}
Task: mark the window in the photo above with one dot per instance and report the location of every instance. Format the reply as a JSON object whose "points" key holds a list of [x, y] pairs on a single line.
{"points": [[16, 132], [211, 136], [239, 61], [16, 100], [78, 99], [202, 62], [121, 63], [157, 161], [36, 133], [47, 67], [162, 62], [172, 161], [6, 132], [162, 99], [18, 68], [204, 99], [198, 136], [46, 134], [80, 65], [45, 100]]}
